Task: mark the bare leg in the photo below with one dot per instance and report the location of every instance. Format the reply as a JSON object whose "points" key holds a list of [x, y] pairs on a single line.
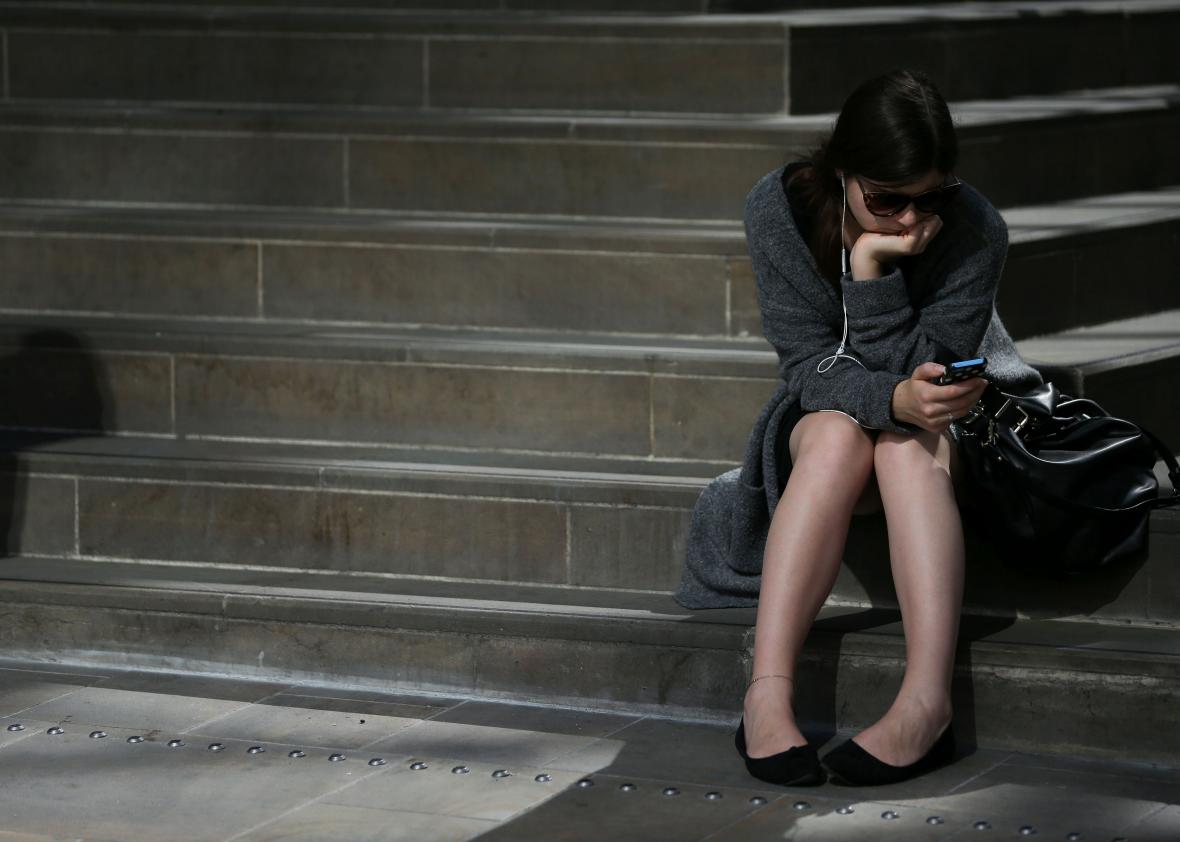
{"points": [[832, 458], [927, 558]]}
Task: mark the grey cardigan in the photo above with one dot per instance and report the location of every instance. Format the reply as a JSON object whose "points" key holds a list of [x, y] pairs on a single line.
{"points": [[939, 305]]}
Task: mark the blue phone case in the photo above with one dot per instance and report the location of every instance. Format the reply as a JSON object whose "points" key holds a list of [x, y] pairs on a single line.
{"points": [[963, 370]]}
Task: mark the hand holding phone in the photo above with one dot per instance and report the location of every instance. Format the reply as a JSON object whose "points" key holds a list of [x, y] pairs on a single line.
{"points": [[934, 396]]}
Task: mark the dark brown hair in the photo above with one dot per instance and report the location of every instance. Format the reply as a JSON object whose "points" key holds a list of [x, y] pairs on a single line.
{"points": [[892, 129]]}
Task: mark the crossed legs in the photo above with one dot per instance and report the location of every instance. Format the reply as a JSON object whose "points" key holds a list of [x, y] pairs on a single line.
{"points": [[834, 462]]}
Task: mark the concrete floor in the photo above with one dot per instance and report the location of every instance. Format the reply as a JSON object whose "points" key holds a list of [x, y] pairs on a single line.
{"points": [[416, 767]]}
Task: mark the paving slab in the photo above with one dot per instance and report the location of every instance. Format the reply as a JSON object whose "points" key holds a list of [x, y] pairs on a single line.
{"points": [[303, 726], [321, 822], [540, 718], [1161, 826], [505, 745], [645, 811], [105, 708], [807, 817], [446, 787], [24, 689], [407, 707], [147, 791]]}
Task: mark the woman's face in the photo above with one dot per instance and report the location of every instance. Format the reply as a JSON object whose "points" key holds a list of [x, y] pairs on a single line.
{"points": [[857, 185]]}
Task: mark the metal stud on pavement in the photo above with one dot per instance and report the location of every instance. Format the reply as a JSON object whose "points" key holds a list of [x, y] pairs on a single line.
{"points": [[713, 796], [216, 747], [501, 773], [255, 750], [460, 770], [628, 787], [175, 743], [671, 790], [983, 825], [1073, 836], [934, 820], [543, 778], [377, 761], [296, 753], [889, 814], [1028, 830], [336, 758], [54, 731], [758, 801], [801, 806], [97, 735], [135, 739], [585, 783], [16, 726], [844, 811], [418, 766]]}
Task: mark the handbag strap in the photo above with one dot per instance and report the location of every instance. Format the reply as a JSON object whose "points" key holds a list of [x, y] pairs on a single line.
{"points": [[1170, 461], [998, 408]]}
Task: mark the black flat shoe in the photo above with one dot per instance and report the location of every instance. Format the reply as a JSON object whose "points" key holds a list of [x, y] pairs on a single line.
{"points": [[797, 766], [851, 765]]}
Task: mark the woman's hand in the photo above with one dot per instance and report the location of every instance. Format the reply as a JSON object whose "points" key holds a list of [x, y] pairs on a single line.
{"points": [[873, 251], [919, 402]]}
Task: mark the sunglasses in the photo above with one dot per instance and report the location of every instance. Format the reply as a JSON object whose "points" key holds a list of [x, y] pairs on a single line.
{"points": [[890, 204]]}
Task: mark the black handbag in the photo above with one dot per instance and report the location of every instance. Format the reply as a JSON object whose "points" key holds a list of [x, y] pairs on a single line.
{"points": [[1059, 485]]}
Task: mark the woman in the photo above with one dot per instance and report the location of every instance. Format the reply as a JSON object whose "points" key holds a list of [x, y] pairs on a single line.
{"points": [[875, 268]]}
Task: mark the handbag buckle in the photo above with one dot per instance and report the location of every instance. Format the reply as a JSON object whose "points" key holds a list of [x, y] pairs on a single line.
{"points": [[980, 411], [1025, 419]]}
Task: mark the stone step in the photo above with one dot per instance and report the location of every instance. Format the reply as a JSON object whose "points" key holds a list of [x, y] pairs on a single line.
{"points": [[652, 279], [500, 8], [408, 520], [1019, 151], [695, 64], [657, 400], [1017, 681]]}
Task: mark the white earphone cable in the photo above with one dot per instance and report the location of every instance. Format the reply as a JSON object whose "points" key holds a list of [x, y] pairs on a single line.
{"points": [[828, 362]]}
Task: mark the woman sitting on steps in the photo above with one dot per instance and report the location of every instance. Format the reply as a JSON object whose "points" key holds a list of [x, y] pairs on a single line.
{"points": [[875, 267]]}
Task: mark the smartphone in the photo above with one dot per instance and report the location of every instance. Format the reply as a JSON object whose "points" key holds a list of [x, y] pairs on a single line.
{"points": [[962, 370]]}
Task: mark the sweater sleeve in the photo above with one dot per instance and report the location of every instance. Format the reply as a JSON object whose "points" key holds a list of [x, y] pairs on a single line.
{"points": [[889, 333], [803, 339]]}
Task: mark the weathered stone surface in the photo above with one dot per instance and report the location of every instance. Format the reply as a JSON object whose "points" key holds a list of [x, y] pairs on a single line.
{"points": [[216, 67], [611, 74], [634, 179], [579, 411], [706, 417], [627, 547], [194, 169], [128, 275], [308, 528], [52, 380], [36, 513], [582, 291]]}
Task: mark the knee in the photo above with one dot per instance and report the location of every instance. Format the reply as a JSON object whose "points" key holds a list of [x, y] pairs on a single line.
{"points": [[924, 449], [829, 439]]}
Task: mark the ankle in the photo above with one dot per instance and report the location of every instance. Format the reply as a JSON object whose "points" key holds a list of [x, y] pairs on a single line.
{"points": [[937, 708], [777, 685]]}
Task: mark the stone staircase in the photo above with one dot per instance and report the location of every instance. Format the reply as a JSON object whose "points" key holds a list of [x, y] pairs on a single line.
{"points": [[372, 344]]}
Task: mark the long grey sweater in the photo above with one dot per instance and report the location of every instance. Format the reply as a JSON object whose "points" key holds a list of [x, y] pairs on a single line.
{"points": [[939, 305]]}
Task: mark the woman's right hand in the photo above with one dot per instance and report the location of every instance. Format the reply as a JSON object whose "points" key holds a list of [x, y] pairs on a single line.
{"points": [[924, 404]]}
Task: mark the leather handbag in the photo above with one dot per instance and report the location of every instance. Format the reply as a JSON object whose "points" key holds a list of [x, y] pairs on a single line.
{"points": [[1057, 483]]}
